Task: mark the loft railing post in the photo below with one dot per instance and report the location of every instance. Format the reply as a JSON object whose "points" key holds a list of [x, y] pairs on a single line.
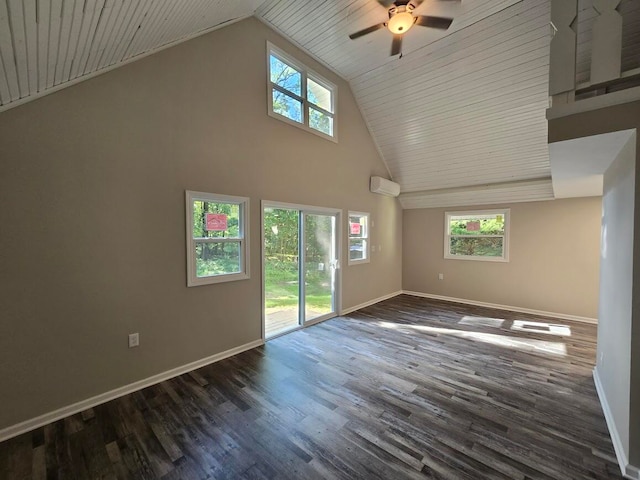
{"points": [[606, 51], [562, 64]]}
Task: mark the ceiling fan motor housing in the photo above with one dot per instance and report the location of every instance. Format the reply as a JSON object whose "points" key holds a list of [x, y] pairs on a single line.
{"points": [[395, 9], [401, 18]]}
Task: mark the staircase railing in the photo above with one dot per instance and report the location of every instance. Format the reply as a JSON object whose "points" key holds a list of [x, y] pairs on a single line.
{"points": [[600, 28]]}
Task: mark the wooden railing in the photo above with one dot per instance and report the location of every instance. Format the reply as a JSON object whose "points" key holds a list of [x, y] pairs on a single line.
{"points": [[606, 66]]}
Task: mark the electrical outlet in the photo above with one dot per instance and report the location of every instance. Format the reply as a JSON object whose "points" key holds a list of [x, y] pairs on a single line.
{"points": [[134, 340], [441, 276]]}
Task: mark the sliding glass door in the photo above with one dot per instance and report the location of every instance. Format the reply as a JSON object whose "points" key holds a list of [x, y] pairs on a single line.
{"points": [[300, 265], [319, 265], [280, 258]]}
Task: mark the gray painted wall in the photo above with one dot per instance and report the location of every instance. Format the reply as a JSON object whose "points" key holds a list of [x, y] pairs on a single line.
{"points": [[92, 215]]}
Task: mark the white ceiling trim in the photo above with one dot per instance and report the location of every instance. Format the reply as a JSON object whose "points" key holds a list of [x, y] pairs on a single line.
{"points": [[494, 194]]}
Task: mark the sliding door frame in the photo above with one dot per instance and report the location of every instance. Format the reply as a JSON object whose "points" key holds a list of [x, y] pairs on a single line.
{"points": [[337, 294]]}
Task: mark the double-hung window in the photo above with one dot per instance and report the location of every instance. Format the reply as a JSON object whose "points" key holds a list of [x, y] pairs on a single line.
{"points": [[358, 238], [477, 235], [217, 238], [299, 96]]}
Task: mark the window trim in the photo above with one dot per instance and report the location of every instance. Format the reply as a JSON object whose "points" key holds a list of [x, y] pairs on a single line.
{"points": [[305, 73], [505, 212], [367, 239], [192, 279]]}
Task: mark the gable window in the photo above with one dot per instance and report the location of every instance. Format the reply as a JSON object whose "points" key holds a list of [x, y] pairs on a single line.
{"points": [[300, 97], [358, 238], [477, 235], [217, 238]]}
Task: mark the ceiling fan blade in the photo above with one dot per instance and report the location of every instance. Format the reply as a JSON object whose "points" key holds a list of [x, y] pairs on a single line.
{"points": [[385, 3], [353, 36], [396, 46], [434, 22]]}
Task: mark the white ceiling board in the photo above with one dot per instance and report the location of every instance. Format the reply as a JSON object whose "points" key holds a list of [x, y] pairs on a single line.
{"points": [[455, 126], [17, 23], [55, 22], [579, 186], [471, 44], [42, 37], [323, 28], [578, 165], [7, 55], [46, 44]]}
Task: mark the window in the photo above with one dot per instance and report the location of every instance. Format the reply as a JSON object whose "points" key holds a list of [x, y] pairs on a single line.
{"points": [[217, 238], [358, 238], [299, 96], [479, 235]]}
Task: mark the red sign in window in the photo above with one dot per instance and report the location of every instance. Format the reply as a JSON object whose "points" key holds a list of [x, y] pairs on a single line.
{"points": [[216, 222], [355, 228], [473, 226]]}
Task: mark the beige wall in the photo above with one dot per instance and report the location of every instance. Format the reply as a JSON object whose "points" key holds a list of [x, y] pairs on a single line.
{"points": [[92, 227], [605, 120], [553, 266]]}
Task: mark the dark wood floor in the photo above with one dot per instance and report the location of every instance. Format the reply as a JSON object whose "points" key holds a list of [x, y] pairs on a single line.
{"points": [[408, 388]]}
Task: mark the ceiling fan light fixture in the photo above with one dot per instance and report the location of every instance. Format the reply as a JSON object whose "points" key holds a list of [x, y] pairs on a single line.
{"points": [[401, 22]]}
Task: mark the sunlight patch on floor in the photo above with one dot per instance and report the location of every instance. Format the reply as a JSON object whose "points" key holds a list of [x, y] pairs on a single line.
{"points": [[541, 327], [507, 341], [481, 321]]}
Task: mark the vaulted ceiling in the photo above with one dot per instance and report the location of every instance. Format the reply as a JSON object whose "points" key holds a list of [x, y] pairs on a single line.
{"points": [[461, 108], [459, 119]]}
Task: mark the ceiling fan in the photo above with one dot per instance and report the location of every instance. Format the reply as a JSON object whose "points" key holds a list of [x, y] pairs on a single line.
{"points": [[401, 19]]}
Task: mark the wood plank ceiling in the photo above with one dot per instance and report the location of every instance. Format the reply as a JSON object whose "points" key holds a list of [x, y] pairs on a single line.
{"points": [[45, 44], [459, 119], [462, 108]]}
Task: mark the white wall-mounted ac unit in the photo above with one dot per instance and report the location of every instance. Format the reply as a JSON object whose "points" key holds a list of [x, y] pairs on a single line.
{"points": [[384, 187]]}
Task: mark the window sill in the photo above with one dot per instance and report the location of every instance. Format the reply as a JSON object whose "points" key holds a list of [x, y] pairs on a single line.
{"points": [[231, 277], [304, 127], [358, 262], [478, 259]]}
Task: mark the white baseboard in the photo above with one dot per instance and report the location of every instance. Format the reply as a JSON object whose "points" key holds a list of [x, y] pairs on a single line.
{"points": [[629, 471], [346, 311], [497, 306], [63, 412]]}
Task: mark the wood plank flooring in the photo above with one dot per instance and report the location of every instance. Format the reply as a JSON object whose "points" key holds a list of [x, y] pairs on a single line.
{"points": [[409, 388]]}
